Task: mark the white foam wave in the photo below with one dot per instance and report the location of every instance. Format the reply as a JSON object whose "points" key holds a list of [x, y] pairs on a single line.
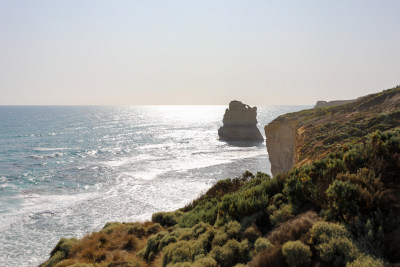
{"points": [[46, 156], [49, 148]]}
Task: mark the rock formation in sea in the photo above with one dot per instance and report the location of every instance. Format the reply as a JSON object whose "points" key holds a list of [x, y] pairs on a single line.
{"points": [[240, 123], [294, 139]]}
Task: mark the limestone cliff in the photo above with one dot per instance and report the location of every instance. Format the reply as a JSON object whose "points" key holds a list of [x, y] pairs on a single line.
{"points": [[240, 123], [280, 138], [296, 139], [326, 104]]}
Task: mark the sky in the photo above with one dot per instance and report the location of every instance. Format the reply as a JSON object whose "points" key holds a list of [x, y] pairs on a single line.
{"points": [[126, 52]]}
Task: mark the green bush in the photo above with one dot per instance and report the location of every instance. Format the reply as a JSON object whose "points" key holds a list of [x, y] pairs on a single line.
{"points": [[282, 214], [166, 240], [153, 229], [251, 234], [167, 219], [261, 244], [251, 198], [220, 238], [137, 230], [322, 232], [180, 251], [203, 212], [337, 251], [296, 253], [154, 244], [366, 261], [333, 243], [231, 253], [55, 257], [64, 246], [205, 262], [343, 199], [195, 231], [110, 226]]}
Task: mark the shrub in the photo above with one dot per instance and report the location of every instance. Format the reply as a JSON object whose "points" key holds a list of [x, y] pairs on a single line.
{"points": [[231, 253], [167, 219], [195, 231], [110, 226], [294, 229], [137, 230], [337, 251], [166, 240], [224, 187], [366, 261], [282, 214], [180, 251], [261, 244], [220, 238], [271, 256], [205, 262], [251, 234], [296, 253], [55, 258], [153, 245], [295, 190], [343, 199], [64, 245], [154, 228], [333, 243], [203, 212], [232, 229], [322, 232]]}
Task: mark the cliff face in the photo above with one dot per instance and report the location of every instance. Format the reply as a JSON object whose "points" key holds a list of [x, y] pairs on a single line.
{"points": [[240, 123], [296, 139], [281, 143]]}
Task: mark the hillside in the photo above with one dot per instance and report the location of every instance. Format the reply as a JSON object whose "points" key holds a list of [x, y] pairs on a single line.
{"points": [[295, 139], [340, 209]]}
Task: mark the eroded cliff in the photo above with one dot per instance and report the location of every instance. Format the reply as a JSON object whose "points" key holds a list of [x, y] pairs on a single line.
{"points": [[281, 144], [295, 139]]}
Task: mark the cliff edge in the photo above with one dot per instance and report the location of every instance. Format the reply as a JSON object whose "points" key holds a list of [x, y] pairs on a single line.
{"points": [[296, 139], [240, 123], [326, 104]]}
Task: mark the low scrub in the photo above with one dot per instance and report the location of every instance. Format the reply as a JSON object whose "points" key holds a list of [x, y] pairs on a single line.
{"points": [[296, 253]]}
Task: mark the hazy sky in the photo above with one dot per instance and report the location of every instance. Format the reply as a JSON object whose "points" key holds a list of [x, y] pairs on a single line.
{"points": [[196, 52]]}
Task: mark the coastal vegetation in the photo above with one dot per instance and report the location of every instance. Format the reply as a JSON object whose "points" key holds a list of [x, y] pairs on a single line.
{"points": [[340, 209]]}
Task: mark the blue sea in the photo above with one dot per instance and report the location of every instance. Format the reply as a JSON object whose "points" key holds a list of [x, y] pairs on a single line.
{"points": [[67, 170]]}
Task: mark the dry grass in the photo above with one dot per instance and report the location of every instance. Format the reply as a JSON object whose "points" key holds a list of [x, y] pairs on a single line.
{"points": [[117, 244]]}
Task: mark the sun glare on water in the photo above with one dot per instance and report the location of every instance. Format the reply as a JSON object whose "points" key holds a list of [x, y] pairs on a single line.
{"points": [[187, 113]]}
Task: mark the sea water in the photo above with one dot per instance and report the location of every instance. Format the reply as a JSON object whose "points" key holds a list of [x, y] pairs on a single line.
{"points": [[67, 170]]}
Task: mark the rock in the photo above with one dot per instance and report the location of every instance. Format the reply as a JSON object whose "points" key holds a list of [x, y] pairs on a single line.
{"points": [[280, 138], [240, 123], [325, 104]]}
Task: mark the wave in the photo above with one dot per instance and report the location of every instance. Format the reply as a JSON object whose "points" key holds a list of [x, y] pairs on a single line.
{"points": [[49, 148], [47, 156], [35, 135]]}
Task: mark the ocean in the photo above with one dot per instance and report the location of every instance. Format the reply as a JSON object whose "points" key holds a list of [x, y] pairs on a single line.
{"points": [[67, 170]]}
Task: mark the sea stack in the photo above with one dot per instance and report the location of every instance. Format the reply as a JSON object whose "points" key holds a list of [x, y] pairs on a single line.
{"points": [[240, 124]]}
